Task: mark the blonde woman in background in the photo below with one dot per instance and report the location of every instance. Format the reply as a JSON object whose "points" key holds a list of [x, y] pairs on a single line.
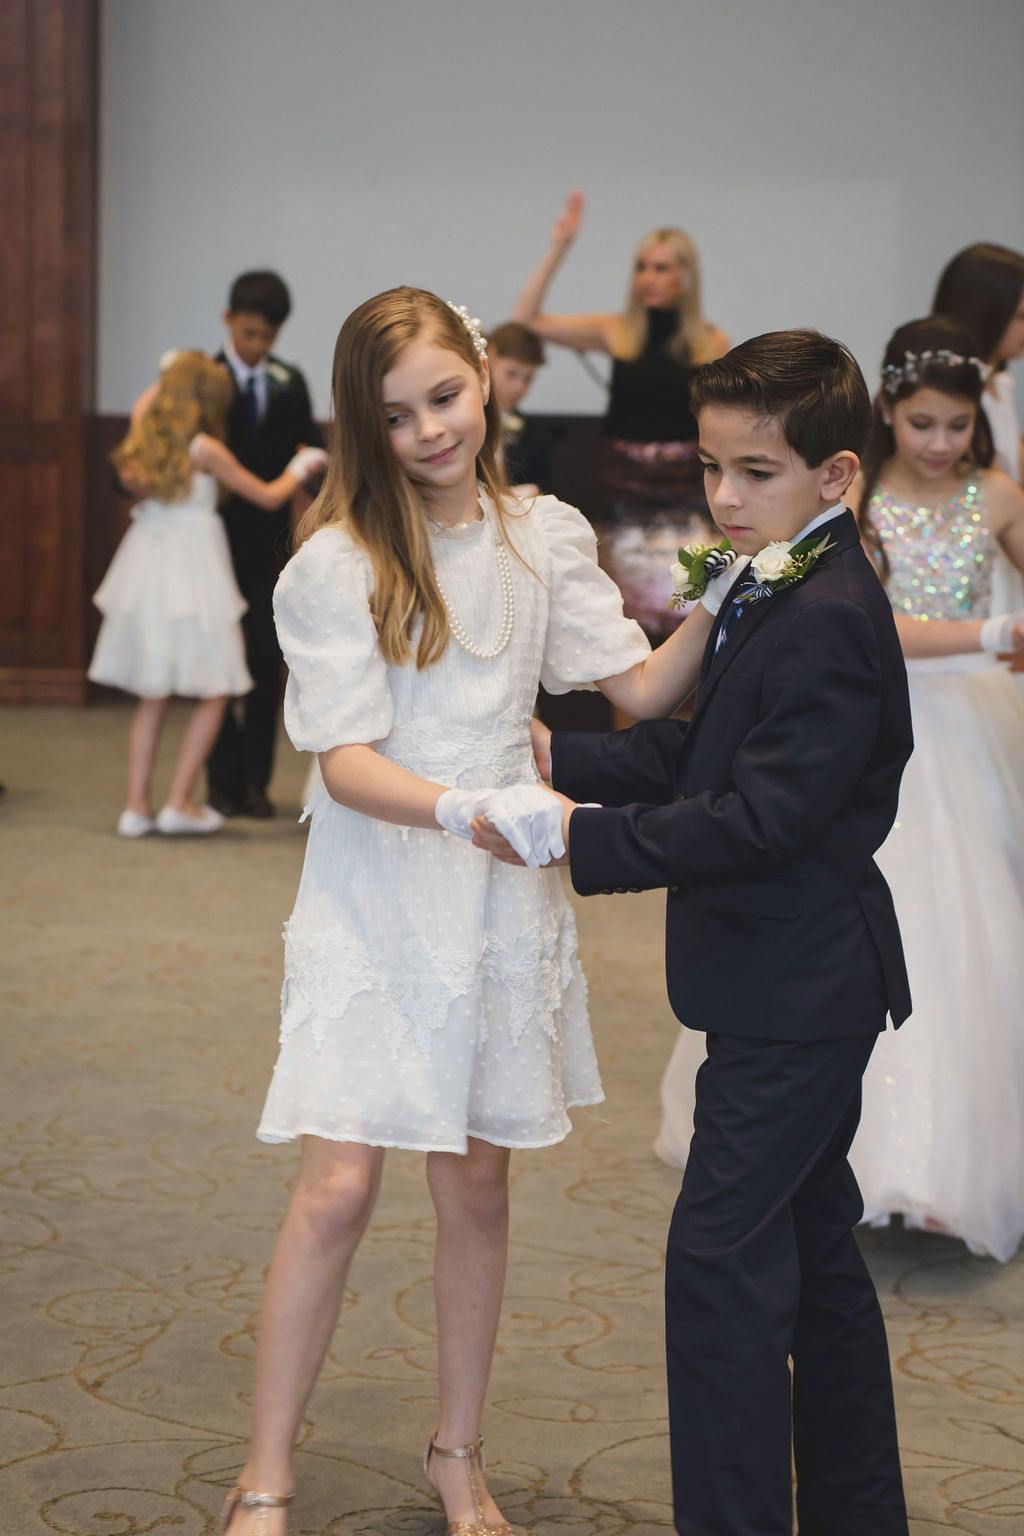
{"points": [[651, 479], [170, 602]]}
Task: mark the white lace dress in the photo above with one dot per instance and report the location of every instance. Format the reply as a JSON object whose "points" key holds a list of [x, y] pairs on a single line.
{"points": [[431, 993]]}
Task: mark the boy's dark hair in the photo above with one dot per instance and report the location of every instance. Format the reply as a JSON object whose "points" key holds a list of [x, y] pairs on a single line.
{"points": [[981, 287], [810, 383], [261, 293], [517, 341]]}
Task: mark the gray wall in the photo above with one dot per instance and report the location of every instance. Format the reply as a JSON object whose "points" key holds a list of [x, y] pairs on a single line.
{"points": [[827, 157]]}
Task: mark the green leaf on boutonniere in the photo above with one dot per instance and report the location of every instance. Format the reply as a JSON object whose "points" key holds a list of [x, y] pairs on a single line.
{"points": [[696, 566]]}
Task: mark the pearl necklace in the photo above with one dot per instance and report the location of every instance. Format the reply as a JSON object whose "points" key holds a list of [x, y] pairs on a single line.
{"points": [[508, 604]]}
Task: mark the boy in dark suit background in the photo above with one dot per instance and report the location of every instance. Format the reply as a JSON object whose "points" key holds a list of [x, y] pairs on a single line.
{"points": [[270, 418], [761, 818], [514, 354]]}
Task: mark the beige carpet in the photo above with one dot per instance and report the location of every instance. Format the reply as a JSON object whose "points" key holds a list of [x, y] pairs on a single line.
{"points": [[137, 1211]]}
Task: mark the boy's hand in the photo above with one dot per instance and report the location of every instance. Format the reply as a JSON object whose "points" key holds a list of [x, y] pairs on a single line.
{"points": [[541, 739], [487, 837]]}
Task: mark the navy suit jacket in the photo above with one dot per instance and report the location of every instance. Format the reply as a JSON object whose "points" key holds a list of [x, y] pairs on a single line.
{"points": [[762, 815], [261, 541]]}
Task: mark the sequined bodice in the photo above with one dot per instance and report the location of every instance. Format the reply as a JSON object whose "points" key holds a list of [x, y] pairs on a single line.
{"points": [[941, 558]]}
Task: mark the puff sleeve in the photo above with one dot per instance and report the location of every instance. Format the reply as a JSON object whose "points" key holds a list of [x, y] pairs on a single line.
{"points": [[337, 693], [588, 635]]}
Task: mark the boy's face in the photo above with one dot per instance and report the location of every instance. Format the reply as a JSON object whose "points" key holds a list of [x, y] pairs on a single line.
{"points": [[510, 379], [758, 488], [251, 336]]}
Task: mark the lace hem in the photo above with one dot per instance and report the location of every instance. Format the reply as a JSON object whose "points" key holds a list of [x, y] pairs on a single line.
{"points": [[418, 982]]}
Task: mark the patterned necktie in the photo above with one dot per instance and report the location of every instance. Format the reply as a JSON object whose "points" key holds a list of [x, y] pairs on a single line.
{"points": [[737, 607]]}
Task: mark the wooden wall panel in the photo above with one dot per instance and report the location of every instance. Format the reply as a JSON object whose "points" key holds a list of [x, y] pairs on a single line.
{"points": [[48, 104]]}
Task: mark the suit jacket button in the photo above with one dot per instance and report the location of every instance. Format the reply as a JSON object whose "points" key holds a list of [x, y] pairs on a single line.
{"points": [[674, 889]]}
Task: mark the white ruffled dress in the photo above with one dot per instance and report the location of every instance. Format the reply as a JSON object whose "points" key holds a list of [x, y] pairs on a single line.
{"points": [[171, 604], [430, 992]]}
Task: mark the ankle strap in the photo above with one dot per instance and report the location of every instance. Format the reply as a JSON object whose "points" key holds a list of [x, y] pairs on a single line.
{"points": [[249, 1500], [458, 1452]]}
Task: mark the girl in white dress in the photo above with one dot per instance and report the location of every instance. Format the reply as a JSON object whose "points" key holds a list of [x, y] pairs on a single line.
{"points": [[941, 1137], [169, 601], [433, 998]]}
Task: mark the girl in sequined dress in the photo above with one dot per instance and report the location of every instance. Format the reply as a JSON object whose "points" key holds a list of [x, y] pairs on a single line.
{"points": [[942, 1131]]}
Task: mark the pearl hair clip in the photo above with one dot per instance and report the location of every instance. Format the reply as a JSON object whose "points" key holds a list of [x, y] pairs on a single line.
{"points": [[909, 371], [472, 325]]}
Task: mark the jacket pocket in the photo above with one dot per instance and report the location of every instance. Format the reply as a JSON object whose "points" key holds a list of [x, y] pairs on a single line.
{"points": [[740, 684], [778, 900]]}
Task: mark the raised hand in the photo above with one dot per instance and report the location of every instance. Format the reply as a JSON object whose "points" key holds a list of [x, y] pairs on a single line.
{"points": [[566, 227]]}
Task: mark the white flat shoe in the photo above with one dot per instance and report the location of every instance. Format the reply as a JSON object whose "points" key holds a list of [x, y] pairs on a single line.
{"points": [[134, 824], [177, 824]]}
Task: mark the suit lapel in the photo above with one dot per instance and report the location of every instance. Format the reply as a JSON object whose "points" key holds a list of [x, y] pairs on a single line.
{"points": [[843, 532]]}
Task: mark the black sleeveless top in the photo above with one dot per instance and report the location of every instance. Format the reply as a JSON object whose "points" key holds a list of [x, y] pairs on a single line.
{"points": [[650, 395]]}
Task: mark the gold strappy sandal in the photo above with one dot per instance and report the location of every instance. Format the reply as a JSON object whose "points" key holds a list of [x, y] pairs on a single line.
{"points": [[473, 1455], [244, 1498]]}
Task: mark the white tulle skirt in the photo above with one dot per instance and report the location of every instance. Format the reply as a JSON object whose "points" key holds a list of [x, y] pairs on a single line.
{"points": [[942, 1134], [171, 608], [941, 1139]]}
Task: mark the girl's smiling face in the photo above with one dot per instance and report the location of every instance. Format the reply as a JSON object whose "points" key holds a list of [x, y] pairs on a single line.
{"points": [[932, 431], [434, 410]]}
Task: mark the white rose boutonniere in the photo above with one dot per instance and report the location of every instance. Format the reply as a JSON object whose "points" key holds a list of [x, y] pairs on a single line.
{"points": [[771, 563], [279, 373], [782, 564]]}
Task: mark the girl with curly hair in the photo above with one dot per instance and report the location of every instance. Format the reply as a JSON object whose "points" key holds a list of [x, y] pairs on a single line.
{"points": [[169, 601]]}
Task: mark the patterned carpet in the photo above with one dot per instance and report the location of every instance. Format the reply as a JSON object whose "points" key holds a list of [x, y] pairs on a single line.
{"points": [[137, 1212]]}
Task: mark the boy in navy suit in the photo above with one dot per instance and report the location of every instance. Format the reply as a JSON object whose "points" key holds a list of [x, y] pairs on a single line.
{"points": [[270, 418], [761, 818]]}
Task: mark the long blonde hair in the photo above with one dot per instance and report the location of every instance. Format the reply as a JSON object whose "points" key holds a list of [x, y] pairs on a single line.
{"points": [[193, 395], [692, 341], [365, 489]]}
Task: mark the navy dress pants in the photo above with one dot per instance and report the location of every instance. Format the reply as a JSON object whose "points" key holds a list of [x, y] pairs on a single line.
{"points": [[763, 1270]]}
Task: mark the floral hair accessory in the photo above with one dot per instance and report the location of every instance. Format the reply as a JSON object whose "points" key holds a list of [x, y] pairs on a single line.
{"points": [[167, 358], [697, 565], [909, 371], [782, 564], [472, 325]]}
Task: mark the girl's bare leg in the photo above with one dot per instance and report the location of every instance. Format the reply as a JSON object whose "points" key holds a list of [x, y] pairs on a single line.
{"points": [[328, 1213], [470, 1197], [196, 744], [143, 740]]}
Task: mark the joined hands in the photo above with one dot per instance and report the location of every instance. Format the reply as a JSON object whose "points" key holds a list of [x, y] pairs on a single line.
{"points": [[525, 824]]}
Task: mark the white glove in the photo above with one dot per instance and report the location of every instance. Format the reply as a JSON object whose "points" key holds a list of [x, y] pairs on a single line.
{"points": [[530, 818], [308, 461], [717, 589], [458, 807], [997, 633]]}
